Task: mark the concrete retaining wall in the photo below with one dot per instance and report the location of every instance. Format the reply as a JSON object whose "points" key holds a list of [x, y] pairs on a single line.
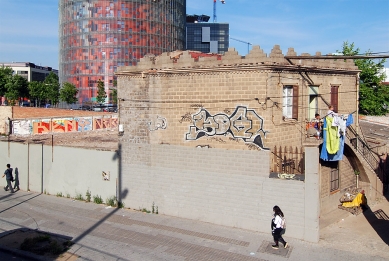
{"points": [[60, 169]]}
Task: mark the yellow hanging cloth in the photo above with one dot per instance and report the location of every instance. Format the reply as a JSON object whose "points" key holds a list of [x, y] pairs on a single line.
{"points": [[332, 139]]}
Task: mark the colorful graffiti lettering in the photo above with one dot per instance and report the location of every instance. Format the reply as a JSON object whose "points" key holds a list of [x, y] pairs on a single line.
{"points": [[44, 126], [243, 124]]}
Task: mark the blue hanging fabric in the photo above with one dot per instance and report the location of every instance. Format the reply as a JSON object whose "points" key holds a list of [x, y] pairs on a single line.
{"points": [[350, 120]]}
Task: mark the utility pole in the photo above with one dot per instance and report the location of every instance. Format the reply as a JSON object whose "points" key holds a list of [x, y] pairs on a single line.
{"points": [[248, 44]]}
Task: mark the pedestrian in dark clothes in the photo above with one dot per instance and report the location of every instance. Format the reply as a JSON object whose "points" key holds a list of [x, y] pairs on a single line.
{"points": [[277, 227], [8, 176]]}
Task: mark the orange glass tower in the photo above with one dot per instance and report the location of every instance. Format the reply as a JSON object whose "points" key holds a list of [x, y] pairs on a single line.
{"points": [[97, 36]]}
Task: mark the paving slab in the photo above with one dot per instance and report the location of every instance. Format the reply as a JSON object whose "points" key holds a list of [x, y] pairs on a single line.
{"points": [[104, 233]]}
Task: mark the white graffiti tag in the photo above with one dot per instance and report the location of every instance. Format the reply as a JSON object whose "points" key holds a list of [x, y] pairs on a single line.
{"points": [[243, 124]]}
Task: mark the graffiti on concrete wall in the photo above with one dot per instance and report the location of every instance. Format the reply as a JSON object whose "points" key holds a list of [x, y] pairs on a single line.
{"points": [[242, 124], [84, 123], [22, 127], [55, 125], [158, 123], [105, 123], [63, 125]]}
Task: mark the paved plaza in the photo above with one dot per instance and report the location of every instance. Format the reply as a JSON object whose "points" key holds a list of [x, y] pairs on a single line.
{"points": [[104, 233]]}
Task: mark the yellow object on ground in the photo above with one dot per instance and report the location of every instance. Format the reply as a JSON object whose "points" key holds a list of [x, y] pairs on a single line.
{"points": [[360, 199]]}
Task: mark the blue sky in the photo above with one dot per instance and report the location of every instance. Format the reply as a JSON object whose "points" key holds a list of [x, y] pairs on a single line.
{"points": [[29, 28]]}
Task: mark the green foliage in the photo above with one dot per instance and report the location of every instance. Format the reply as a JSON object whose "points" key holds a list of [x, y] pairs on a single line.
{"points": [[59, 194], [16, 87], [88, 196], [373, 95], [97, 199], [114, 96], [68, 195], [5, 75], [79, 197], [120, 204], [112, 201], [68, 93], [145, 210], [52, 85], [37, 91], [101, 94]]}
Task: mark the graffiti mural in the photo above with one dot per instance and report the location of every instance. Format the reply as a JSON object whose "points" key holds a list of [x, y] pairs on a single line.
{"points": [[41, 126], [159, 123], [105, 123], [84, 124], [63, 125], [44, 126], [242, 124]]}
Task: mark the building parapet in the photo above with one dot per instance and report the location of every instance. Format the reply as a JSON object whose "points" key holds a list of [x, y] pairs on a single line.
{"points": [[192, 61]]}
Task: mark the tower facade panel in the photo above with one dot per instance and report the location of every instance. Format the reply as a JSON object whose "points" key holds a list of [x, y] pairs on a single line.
{"points": [[97, 36]]}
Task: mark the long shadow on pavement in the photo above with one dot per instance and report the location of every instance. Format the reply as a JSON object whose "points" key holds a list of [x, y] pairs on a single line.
{"points": [[379, 221]]}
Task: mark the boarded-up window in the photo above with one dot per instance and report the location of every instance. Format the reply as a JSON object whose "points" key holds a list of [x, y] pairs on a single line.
{"points": [[290, 102], [334, 97]]}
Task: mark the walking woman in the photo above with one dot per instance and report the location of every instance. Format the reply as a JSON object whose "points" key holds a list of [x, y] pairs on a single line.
{"points": [[277, 225]]}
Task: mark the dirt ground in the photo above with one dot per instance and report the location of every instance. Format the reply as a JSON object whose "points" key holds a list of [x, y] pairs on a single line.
{"points": [[101, 139]]}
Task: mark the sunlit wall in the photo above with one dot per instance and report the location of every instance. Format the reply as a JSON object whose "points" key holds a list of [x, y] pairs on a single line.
{"points": [[97, 36]]}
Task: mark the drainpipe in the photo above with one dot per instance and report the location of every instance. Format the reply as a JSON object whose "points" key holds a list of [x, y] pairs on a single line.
{"points": [[357, 113]]}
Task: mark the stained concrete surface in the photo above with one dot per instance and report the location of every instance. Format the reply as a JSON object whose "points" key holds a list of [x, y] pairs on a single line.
{"points": [[104, 233]]}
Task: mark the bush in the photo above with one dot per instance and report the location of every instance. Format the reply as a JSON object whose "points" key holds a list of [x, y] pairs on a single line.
{"points": [[97, 199]]}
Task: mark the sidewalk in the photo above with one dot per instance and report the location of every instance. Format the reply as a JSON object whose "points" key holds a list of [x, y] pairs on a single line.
{"points": [[103, 233]]}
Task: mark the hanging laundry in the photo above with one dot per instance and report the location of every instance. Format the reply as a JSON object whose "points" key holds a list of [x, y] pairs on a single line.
{"points": [[350, 120], [330, 140]]}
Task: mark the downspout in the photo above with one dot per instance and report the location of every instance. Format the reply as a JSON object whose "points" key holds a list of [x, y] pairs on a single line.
{"points": [[357, 113]]}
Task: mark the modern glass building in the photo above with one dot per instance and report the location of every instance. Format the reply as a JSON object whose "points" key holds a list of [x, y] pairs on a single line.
{"points": [[206, 37], [97, 36]]}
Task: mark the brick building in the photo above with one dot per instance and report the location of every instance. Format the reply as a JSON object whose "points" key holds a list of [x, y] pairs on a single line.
{"points": [[223, 138]]}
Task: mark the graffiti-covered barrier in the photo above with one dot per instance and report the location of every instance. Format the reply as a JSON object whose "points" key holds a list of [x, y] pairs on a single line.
{"points": [[68, 124], [65, 171]]}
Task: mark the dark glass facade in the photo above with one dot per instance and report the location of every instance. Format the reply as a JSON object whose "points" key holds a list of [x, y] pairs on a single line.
{"points": [[97, 36], [207, 37]]}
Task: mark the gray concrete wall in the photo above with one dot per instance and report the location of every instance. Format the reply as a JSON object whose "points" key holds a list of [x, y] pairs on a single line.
{"points": [[61, 169], [225, 187]]}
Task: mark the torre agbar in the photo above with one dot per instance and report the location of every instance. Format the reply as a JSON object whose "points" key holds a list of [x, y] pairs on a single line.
{"points": [[97, 36]]}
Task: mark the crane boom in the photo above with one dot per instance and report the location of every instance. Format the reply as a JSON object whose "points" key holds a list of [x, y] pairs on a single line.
{"points": [[248, 44]]}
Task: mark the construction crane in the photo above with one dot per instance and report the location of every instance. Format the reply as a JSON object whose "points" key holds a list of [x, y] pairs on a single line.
{"points": [[214, 9], [248, 44]]}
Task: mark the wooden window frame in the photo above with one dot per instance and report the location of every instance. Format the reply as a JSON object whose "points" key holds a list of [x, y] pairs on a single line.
{"points": [[335, 97], [295, 100]]}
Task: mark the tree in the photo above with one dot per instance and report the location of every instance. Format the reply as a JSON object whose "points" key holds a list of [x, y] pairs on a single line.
{"points": [[114, 92], [51, 83], [16, 87], [5, 75], [68, 93], [101, 94], [373, 95], [37, 92]]}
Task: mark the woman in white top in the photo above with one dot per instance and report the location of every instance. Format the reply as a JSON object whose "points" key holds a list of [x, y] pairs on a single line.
{"points": [[276, 226]]}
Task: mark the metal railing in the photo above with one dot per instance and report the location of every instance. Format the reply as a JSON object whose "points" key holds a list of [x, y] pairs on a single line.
{"points": [[361, 146]]}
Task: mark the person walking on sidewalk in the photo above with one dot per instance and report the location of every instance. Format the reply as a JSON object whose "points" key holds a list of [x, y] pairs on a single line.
{"points": [[16, 179], [9, 178], [277, 226]]}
